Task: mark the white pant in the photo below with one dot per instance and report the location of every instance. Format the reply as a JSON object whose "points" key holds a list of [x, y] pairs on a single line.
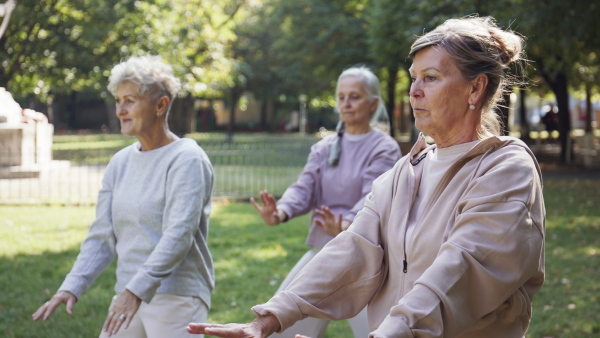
{"points": [[167, 315], [316, 327]]}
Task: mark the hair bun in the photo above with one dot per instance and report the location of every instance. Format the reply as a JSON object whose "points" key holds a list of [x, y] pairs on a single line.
{"points": [[509, 45]]}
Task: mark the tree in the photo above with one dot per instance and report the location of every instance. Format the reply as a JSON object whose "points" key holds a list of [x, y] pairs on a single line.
{"points": [[300, 47], [560, 34]]}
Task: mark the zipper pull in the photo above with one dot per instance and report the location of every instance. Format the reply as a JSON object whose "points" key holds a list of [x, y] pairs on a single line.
{"points": [[405, 264]]}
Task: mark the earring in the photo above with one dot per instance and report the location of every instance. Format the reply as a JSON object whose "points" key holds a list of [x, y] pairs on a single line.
{"points": [[471, 107]]}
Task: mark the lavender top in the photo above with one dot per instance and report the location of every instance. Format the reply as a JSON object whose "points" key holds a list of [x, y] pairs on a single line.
{"points": [[342, 188]]}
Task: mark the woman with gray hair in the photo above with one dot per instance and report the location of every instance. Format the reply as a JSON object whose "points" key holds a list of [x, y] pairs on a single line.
{"points": [[148, 216], [336, 179], [450, 242]]}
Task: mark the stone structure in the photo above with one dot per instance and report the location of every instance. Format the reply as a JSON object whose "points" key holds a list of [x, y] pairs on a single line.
{"points": [[25, 139]]}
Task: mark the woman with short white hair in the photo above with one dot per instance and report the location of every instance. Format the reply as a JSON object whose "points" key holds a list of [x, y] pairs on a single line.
{"points": [[152, 214]]}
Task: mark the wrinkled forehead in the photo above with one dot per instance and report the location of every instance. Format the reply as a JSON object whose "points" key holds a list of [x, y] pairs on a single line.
{"points": [[128, 88], [433, 58]]}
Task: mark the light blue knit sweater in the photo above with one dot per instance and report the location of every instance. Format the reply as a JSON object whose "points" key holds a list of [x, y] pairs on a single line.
{"points": [[152, 214]]}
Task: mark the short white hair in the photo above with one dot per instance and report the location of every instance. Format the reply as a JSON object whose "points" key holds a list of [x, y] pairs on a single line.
{"points": [[154, 77]]}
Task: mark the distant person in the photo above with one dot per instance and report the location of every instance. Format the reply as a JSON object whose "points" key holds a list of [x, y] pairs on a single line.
{"points": [[152, 215], [336, 179], [450, 242], [294, 123]]}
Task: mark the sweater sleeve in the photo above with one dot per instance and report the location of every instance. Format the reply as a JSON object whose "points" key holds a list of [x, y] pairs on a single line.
{"points": [[494, 249], [188, 187], [347, 286], [98, 248], [300, 198], [385, 156]]}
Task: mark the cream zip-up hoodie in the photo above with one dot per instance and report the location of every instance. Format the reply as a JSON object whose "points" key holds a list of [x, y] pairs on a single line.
{"points": [[470, 269]]}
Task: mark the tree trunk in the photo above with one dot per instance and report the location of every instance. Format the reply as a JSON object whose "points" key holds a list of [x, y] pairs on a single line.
{"points": [[523, 116], [503, 112], [235, 96], [588, 108], [391, 96], [264, 124], [559, 86], [111, 113]]}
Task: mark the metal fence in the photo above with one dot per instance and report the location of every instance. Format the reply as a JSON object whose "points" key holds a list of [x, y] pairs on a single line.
{"points": [[242, 168]]}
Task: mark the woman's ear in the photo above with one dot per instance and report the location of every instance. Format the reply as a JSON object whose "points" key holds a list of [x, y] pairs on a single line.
{"points": [[479, 84], [162, 104]]}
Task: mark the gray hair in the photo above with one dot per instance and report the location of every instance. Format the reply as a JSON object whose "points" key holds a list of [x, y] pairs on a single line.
{"points": [[155, 78], [370, 81], [478, 46], [379, 119]]}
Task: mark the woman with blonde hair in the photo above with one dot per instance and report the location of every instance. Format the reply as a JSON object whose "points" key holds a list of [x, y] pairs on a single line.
{"points": [[450, 242]]}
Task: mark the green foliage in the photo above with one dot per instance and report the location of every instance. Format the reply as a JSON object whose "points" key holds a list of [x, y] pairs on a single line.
{"points": [[300, 47], [63, 46]]}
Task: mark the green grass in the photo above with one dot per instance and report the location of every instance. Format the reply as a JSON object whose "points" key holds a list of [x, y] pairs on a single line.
{"points": [[38, 246], [567, 305]]}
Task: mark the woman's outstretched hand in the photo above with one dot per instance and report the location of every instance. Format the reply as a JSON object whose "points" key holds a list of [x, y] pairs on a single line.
{"points": [[329, 223], [268, 211], [261, 327], [46, 310]]}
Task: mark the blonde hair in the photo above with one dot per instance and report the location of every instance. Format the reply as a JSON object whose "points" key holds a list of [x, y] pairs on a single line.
{"points": [[478, 46]]}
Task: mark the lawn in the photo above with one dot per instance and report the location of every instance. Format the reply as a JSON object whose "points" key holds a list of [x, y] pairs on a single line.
{"points": [[39, 244]]}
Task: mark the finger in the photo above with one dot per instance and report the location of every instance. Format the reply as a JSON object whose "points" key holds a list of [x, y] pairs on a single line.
{"points": [[107, 322], [264, 198], [203, 326], [255, 205], [70, 304], [340, 219], [51, 306], [112, 324], [320, 212], [320, 223], [37, 314], [329, 213], [271, 199], [193, 331], [325, 212], [223, 331], [118, 322], [127, 321]]}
